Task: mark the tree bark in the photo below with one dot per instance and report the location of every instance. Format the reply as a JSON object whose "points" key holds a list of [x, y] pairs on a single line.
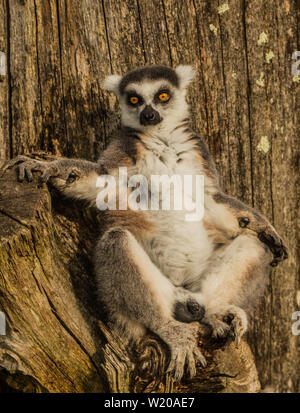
{"points": [[244, 103]]}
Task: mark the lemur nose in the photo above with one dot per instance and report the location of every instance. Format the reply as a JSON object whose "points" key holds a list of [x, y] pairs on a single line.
{"points": [[149, 116]]}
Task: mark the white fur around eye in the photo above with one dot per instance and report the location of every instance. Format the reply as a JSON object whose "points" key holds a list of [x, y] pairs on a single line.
{"points": [[111, 83], [186, 73]]}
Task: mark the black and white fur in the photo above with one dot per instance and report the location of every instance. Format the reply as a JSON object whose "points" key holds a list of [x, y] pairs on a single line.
{"points": [[155, 270]]}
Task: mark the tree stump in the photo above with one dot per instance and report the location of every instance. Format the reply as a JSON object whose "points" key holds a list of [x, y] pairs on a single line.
{"points": [[56, 340]]}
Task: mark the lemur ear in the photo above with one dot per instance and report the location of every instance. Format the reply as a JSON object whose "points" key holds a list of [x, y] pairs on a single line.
{"points": [[186, 73], [111, 83]]}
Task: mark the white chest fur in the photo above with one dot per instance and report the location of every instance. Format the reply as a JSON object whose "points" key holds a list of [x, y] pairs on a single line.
{"points": [[179, 248]]}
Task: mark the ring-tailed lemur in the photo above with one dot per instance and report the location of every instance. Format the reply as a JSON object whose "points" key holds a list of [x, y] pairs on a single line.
{"points": [[156, 270]]}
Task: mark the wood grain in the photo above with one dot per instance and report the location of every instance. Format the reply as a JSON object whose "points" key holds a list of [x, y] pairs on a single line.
{"points": [[244, 101]]}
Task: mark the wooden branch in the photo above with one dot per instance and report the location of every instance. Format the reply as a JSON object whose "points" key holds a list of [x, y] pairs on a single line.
{"points": [[56, 341]]}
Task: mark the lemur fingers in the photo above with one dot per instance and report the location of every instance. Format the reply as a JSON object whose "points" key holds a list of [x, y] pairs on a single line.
{"points": [[66, 169], [27, 165], [13, 162]]}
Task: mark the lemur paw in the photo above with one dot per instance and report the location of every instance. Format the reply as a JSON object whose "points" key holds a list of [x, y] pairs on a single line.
{"points": [[228, 323], [27, 165], [188, 311], [275, 244], [183, 343], [267, 235]]}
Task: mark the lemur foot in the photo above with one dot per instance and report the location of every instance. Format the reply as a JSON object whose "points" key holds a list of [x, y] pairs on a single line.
{"points": [[228, 323], [183, 342], [188, 311]]}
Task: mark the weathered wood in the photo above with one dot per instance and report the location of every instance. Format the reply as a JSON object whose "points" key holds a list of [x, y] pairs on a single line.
{"points": [[55, 339], [24, 77], [50, 78], [4, 85], [244, 101], [274, 143], [84, 62]]}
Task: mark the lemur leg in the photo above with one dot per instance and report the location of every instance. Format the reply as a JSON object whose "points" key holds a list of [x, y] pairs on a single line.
{"points": [[234, 217], [234, 280], [136, 293]]}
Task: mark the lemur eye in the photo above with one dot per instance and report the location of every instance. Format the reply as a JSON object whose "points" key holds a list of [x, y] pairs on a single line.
{"points": [[134, 100], [72, 177], [164, 97]]}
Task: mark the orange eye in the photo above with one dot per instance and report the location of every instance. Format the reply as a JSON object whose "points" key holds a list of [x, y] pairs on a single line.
{"points": [[134, 100], [163, 97]]}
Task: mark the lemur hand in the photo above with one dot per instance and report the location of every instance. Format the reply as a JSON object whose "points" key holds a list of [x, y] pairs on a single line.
{"points": [[268, 235], [275, 245], [27, 165]]}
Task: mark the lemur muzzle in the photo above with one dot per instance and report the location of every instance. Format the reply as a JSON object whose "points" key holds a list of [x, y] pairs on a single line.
{"points": [[149, 116]]}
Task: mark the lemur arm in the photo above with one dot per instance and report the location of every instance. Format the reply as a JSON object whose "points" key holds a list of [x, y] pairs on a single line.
{"points": [[231, 216], [74, 178]]}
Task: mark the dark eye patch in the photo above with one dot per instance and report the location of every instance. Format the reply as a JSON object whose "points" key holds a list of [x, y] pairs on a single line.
{"points": [[162, 91], [131, 94]]}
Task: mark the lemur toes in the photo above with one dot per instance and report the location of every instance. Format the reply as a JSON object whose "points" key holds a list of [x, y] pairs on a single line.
{"points": [[227, 324], [189, 357]]}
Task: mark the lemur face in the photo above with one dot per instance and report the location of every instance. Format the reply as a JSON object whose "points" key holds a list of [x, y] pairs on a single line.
{"points": [[152, 98]]}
